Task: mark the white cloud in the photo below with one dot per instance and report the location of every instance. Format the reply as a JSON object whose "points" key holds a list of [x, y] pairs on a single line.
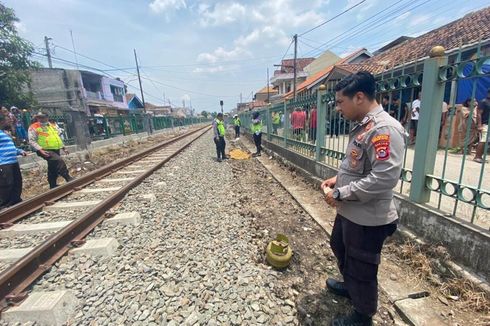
{"points": [[220, 54], [221, 14], [272, 23], [159, 6], [211, 70]]}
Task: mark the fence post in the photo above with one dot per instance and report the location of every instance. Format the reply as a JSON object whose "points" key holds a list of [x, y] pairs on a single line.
{"points": [[77, 123], [106, 128], [269, 122], [429, 123], [321, 112], [286, 124]]}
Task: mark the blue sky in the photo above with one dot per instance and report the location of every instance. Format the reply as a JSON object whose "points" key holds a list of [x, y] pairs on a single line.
{"points": [[204, 51]]}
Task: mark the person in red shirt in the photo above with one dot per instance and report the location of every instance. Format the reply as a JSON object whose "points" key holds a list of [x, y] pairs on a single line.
{"points": [[298, 118]]}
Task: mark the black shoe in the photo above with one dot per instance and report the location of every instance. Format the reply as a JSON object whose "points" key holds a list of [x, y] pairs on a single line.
{"points": [[337, 287], [353, 319], [219, 160]]}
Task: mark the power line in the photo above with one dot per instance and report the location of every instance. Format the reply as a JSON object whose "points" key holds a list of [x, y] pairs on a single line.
{"points": [[336, 16], [146, 78], [376, 24], [325, 44], [287, 50]]}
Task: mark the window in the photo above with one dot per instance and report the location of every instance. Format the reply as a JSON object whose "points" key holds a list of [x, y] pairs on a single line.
{"points": [[117, 93]]}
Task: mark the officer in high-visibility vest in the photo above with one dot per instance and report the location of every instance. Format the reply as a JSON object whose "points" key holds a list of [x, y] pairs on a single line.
{"points": [[237, 123], [219, 136], [256, 129], [46, 141], [276, 121]]}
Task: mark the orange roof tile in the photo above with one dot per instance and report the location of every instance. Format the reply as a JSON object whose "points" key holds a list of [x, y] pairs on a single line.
{"points": [[469, 29], [264, 90]]}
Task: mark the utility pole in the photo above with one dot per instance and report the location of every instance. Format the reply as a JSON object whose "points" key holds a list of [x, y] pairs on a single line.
{"points": [[268, 93], [221, 103], [141, 89], [139, 80], [294, 65], [241, 100], [48, 52], [74, 50]]}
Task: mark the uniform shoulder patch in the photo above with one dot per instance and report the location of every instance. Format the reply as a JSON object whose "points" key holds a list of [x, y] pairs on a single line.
{"points": [[381, 143]]}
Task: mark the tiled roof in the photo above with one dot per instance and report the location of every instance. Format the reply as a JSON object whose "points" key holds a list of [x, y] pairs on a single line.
{"points": [[324, 72], [264, 90], [469, 29], [129, 97], [355, 67], [287, 65]]}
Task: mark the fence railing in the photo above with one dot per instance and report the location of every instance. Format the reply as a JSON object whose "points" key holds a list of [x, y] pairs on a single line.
{"points": [[104, 127], [438, 167]]}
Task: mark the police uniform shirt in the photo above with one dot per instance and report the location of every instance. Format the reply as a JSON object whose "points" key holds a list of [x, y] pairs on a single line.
{"points": [[371, 169]]}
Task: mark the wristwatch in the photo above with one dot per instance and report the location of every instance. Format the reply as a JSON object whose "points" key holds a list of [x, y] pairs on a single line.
{"points": [[336, 195]]}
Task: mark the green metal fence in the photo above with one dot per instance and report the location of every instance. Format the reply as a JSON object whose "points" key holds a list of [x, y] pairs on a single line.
{"points": [[434, 173], [104, 127]]}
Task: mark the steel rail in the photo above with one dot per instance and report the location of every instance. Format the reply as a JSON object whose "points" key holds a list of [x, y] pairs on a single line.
{"points": [[23, 209], [15, 279]]}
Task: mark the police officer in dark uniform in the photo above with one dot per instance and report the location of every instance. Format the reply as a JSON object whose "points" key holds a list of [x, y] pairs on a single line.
{"points": [[362, 192]]}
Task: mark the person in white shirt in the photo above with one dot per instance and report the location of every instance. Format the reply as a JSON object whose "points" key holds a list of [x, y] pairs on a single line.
{"points": [[415, 119]]}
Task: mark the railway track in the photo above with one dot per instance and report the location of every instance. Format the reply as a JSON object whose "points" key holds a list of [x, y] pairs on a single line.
{"points": [[105, 188]]}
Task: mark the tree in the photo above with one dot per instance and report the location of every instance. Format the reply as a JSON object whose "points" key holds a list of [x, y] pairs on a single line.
{"points": [[205, 114], [15, 62]]}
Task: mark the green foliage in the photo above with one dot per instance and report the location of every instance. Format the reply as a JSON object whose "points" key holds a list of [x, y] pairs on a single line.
{"points": [[15, 53]]}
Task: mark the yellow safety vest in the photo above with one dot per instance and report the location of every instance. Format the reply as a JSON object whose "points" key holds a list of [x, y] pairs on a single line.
{"points": [[220, 126], [47, 137]]}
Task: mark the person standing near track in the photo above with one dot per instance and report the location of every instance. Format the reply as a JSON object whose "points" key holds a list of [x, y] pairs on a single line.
{"points": [[219, 136], [256, 129], [237, 123], [363, 195], [10, 175], [46, 141]]}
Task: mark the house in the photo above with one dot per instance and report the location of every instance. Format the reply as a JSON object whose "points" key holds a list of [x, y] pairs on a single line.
{"points": [[59, 90], [283, 78], [158, 110], [311, 84], [462, 34], [325, 60], [405, 55], [134, 103], [264, 94], [104, 95]]}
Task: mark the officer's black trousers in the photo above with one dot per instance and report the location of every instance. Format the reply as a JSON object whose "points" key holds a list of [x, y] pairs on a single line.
{"points": [[10, 185], [237, 131], [258, 142], [56, 167], [358, 252], [220, 147]]}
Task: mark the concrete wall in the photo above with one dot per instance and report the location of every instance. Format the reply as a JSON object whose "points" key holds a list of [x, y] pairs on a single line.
{"points": [[325, 60], [57, 90], [467, 244]]}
